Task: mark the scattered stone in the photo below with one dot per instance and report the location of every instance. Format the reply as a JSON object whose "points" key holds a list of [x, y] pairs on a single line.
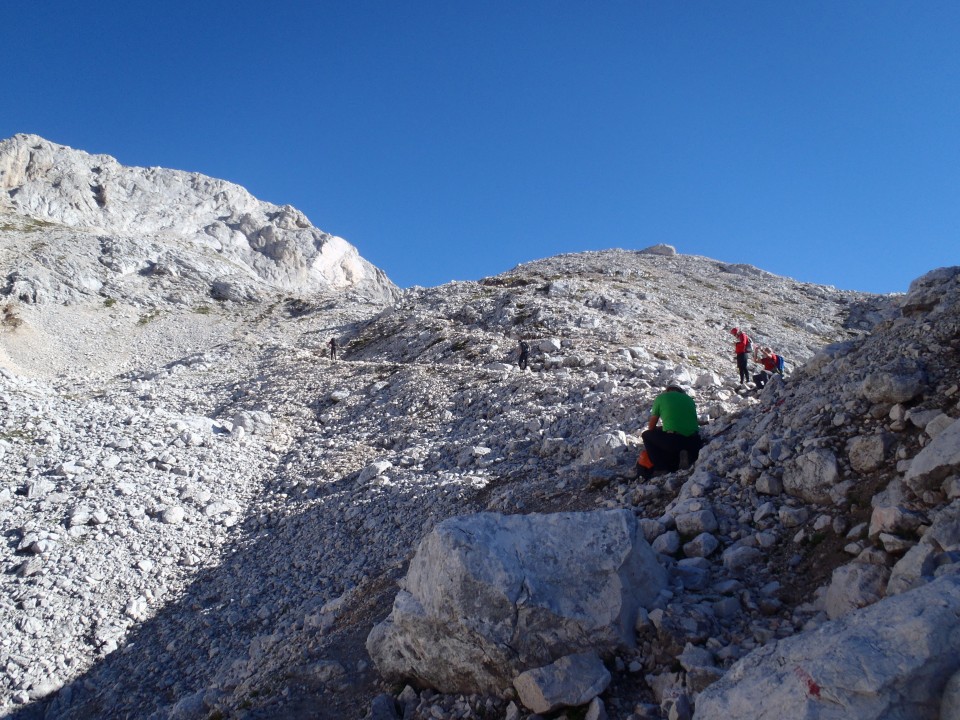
{"points": [[112, 426], [173, 515], [855, 585], [570, 681], [812, 476]]}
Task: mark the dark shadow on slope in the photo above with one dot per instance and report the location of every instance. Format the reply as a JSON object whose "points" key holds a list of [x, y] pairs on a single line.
{"points": [[230, 611]]}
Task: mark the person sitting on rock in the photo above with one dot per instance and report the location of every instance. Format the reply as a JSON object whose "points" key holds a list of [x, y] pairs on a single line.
{"points": [[770, 362], [675, 445]]}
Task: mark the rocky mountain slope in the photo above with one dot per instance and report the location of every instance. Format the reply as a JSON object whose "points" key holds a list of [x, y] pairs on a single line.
{"points": [[205, 516], [138, 244]]}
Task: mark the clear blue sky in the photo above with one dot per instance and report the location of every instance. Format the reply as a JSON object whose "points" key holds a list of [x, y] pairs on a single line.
{"points": [[452, 139]]}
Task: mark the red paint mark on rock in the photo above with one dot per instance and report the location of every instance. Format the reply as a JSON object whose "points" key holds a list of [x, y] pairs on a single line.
{"points": [[813, 690]]}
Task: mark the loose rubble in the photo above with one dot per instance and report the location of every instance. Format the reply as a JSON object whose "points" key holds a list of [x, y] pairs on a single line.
{"points": [[206, 516]]}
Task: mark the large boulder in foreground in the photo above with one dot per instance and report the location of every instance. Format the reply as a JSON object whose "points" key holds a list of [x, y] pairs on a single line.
{"points": [[890, 660], [489, 596]]}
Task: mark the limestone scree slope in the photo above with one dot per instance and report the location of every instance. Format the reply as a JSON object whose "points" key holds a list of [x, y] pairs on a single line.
{"points": [[206, 516]]}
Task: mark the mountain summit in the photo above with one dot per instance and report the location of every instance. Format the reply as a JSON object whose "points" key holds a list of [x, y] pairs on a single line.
{"points": [[140, 216]]}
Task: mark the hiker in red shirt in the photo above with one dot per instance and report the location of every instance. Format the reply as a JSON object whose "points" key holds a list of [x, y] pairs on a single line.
{"points": [[742, 349], [770, 362]]}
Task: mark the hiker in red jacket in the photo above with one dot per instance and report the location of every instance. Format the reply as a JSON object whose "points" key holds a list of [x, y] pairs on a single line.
{"points": [[770, 362], [742, 349]]}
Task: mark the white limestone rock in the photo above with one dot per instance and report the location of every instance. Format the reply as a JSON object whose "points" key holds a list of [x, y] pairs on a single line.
{"points": [[812, 476], [950, 702], [117, 371], [570, 681], [915, 568], [253, 422], [930, 294], [603, 446], [668, 543], [94, 192], [868, 453], [173, 515], [893, 519], [739, 558], [696, 522], [940, 423], [489, 596], [855, 585], [373, 470], [892, 659], [703, 545]]}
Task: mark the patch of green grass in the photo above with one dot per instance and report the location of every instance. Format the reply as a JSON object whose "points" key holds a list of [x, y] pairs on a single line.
{"points": [[148, 317], [109, 302], [29, 225], [16, 435], [10, 318]]}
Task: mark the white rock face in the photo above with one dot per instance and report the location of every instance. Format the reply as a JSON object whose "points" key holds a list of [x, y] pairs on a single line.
{"points": [[179, 212], [489, 596], [893, 386]]}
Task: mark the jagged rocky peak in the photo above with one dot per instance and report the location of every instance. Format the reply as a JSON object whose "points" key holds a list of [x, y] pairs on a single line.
{"points": [[180, 212]]}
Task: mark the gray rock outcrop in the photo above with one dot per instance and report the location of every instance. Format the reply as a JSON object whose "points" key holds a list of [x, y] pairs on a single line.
{"points": [[892, 659], [489, 596], [936, 461]]}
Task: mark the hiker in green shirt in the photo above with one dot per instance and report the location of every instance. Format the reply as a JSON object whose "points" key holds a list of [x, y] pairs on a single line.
{"points": [[676, 444]]}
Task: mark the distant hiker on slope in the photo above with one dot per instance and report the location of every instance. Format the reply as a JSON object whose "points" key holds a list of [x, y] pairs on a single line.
{"points": [[676, 445], [771, 364], [742, 349], [524, 355], [333, 348]]}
